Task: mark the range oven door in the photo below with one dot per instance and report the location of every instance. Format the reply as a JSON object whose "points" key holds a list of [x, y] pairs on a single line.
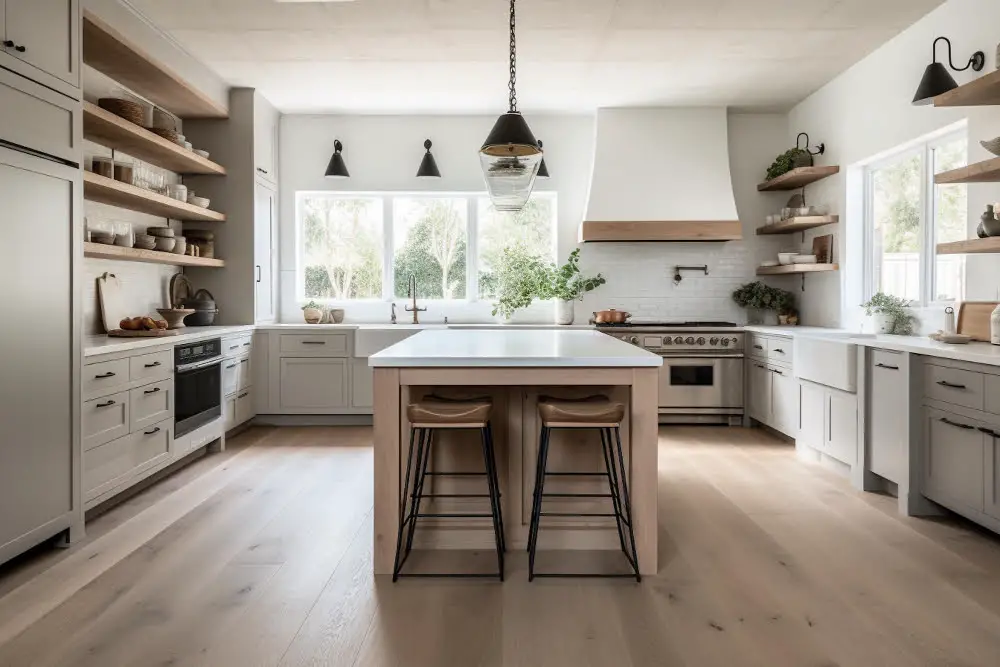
{"points": [[701, 385], [197, 395]]}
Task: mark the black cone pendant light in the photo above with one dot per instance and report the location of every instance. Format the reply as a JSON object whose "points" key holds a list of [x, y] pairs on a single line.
{"points": [[428, 166], [543, 170], [937, 79], [510, 156], [337, 168]]}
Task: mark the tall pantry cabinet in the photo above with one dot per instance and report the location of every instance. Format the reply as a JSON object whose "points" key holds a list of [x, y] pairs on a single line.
{"points": [[42, 254]]}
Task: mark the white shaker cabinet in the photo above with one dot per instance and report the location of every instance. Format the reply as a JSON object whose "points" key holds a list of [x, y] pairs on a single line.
{"points": [[842, 426], [812, 422], [784, 402], [759, 392], [45, 36], [264, 244], [889, 404], [265, 139], [312, 384]]}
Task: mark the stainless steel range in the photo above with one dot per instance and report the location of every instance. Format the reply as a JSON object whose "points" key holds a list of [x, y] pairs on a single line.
{"points": [[701, 380]]}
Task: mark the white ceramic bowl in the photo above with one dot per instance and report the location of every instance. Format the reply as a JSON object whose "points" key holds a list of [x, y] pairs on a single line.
{"points": [[162, 232], [785, 258], [993, 145], [204, 154], [804, 259], [767, 263], [165, 245], [202, 202]]}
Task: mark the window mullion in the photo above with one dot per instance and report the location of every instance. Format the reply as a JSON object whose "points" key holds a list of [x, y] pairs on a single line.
{"points": [[472, 249], [388, 288], [927, 226]]}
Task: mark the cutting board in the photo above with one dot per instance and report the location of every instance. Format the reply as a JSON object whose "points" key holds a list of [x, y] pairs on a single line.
{"points": [[159, 333], [974, 319], [112, 296]]}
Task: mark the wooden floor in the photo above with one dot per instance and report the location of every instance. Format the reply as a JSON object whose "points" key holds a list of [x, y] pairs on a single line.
{"points": [[262, 556]]}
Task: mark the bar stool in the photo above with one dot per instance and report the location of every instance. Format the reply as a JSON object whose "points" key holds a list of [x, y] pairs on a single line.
{"points": [[426, 417], [595, 412]]}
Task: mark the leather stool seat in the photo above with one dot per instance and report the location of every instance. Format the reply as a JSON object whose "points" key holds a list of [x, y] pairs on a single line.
{"points": [[449, 413], [583, 413]]}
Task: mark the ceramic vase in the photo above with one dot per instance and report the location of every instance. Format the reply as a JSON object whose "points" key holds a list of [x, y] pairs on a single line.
{"points": [[564, 312], [312, 315], [989, 221]]}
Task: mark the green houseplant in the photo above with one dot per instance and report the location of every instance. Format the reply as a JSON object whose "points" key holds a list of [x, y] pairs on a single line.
{"points": [[568, 284], [520, 278], [759, 298], [888, 314]]}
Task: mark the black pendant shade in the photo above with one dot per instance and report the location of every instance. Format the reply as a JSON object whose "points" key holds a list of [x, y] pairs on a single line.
{"points": [[543, 170], [938, 80], [428, 166], [337, 168], [510, 136]]}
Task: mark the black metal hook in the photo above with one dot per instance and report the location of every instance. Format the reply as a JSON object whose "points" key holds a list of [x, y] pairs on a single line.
{"points": [[976, 62], [820, 150]]}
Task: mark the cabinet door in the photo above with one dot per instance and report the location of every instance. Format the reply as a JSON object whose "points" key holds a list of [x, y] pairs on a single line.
{"points": [[229, 412], [812, 419], [842, 426], [992, 480], [37, 397], [784, 402], [362, 384], [888, 407], [759, 392], [46, 34], [230, 376], [265, 233], [265, 135], [312, 385], [244, 407], [954, 458]]}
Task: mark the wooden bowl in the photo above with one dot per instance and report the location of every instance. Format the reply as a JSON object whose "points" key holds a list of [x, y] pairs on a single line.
{"points": [[175, 316]]}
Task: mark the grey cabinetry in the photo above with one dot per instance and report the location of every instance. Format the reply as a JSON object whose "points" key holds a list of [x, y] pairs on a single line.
{"points": [[954, 455], [39, 397], [992, 478], [41, 39], [265, 139], [889, 401], [264, 236], [842, 426]]}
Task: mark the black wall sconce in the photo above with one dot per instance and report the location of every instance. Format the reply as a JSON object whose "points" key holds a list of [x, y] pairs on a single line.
{"points": [[428, 166], [337, 168], [937, 79], [543, 170]]}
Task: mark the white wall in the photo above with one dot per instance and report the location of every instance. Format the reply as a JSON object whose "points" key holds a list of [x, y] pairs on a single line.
{"points": [[867, 111], [383, 152]]}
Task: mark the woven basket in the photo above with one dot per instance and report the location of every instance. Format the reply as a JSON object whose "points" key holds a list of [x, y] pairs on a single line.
{"points": [[131, 111], [169, 135]]}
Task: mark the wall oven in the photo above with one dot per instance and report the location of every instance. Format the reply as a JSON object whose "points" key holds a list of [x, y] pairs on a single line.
{"points": [[197, 385]]}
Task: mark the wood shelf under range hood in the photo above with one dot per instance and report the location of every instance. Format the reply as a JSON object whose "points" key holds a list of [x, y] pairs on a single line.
{"points": [[797, 178], [984, 91], [653, 231], [115, 193], [988, 245], [980, 172], [102, 251], [800, 224], [112, 54], [105, 128], [795, 269]]}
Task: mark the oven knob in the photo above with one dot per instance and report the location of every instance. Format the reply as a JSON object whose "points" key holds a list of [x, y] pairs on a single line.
{"points": [[689, 340], [714, 341], [667, 340], [725, 342], [701, 341], [679, 340], [634, 340]]}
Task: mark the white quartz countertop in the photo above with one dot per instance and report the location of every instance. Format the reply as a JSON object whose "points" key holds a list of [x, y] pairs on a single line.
{"points": [[100, 344], [513, 348], [975, 352], [794, 332]]}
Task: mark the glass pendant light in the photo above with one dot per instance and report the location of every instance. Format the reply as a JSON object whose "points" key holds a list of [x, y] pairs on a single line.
{"points": [[510, 156], [337, 168], [428, 166]]}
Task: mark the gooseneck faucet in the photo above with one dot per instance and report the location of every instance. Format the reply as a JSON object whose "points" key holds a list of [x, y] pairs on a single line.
{"points": [[411, 292]]}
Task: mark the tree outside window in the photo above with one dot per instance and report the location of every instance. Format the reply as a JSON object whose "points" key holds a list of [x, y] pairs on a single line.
{"points": [[531, 231], [341, 247], [430, 244]]}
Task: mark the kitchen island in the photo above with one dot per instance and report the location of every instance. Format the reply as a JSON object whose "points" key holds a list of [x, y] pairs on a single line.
{"points": [[515, 368]]}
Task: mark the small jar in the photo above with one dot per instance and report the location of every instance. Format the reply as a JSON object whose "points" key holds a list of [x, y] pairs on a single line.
{"points": [[124, 172], [103, 166], [179, 192]]}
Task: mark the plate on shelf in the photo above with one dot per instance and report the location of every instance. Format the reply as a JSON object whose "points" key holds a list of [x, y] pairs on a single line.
{"points": [[768, 263]]}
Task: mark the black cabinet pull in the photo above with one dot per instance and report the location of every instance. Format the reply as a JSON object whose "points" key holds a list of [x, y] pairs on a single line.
{"points": [[234, 347], [246, 344], [891, 368], [989, 432], [105, 405], [152, 391], [244, 361], [153, 365], [263, 171], [258, 273], [779, 350], [951, 423], [20, 49], [775, 370], [231, 366], [105, 376], [314, 342], [8, 43], [153, 432], [243, 395], [758, 347], [945, 383]]}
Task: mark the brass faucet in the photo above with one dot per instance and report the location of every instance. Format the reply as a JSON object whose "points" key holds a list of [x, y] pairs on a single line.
{"points": [[411, 291]]}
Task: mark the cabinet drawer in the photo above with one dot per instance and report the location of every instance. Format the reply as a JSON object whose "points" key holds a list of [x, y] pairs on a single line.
{"points": [[244, 407], [152, 367], [151, 404], [320, 345], [757, 346], [105, 419], [888, 361], [39, 118], [106, 377], [229, 412], [237, 345], [114, 463], [953, 385], [236, 374], [780, 350]]}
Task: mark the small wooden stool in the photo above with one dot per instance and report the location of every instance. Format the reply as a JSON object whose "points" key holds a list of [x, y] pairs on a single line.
{"points": [[596, 412], [425, 418]]}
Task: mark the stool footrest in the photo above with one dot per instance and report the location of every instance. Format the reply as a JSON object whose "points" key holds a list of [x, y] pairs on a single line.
{"points": [[451, 515], [429, 473], [455, 495], [575, 495], [581, 514], [575, 474]]}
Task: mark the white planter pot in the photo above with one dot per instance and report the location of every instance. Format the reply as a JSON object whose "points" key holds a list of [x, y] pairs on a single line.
{"points": [[879, 323], [564, 311]]}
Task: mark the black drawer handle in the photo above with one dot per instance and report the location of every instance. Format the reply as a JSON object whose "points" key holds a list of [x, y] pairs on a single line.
{"points": [[152, 391], [105, 376], [945, 383], [989, 432], [153, 432], [775, 370], [8, 43], [20, 49], [314, 342], [244, 361], [231, 366], [246, 344], [779, 350], [951, 423], [243, 395], [234, 347], [105, 405], [153, 365], [886, 366], [758, 347]]}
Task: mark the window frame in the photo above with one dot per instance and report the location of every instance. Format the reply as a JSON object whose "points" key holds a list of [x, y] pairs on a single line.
{"points": [[388, 199], [927, 274]]}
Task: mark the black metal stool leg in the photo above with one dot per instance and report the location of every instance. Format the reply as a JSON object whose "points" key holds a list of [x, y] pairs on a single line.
{"points": [[627, 502], [537, 515], [496, 484], [613, 482], [543, 439], [494, 501], [423, 458], [402, 505]]}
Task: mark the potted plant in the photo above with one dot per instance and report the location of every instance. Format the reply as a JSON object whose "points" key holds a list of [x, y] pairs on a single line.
{"points": [[312, 312], [521, 277], [887, 315], [567, 285], [761, 300]]}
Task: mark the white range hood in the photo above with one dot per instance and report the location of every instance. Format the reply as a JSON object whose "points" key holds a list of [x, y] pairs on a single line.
{"points": [[661, 174]]}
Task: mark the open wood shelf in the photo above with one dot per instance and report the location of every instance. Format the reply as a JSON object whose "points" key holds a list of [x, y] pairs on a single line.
{"points": [[103, 127], [984, 91], [980, 172], [667, 230], [797, 178], [793, 269], [800, 224], [109, 191], [970, 247], [111, 53], [102, 251]]}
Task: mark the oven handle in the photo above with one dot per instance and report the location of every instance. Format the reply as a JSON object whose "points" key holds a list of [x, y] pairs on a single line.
{"points": [[214, 361], [707, 357]]}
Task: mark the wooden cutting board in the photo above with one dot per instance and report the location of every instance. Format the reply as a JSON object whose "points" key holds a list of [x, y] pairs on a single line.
{"points": [[112, 296], [974, 319], [159, 333]]}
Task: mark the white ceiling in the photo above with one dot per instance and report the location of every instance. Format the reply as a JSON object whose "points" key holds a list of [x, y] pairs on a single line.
{"points": [[426, 56]]}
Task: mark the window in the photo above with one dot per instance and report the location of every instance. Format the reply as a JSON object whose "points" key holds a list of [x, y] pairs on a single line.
{"points": [[908, 215], [366, 246]]}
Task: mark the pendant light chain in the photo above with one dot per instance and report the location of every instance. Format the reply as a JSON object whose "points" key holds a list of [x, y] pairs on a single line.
{"points": [[513, 60]]}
